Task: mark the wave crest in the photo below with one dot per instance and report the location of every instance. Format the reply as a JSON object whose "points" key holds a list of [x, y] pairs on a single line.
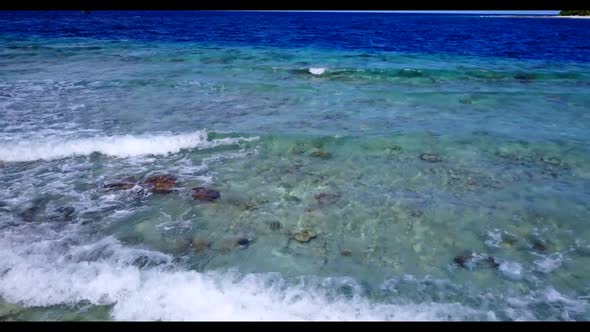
{"points": [[122, 146]]}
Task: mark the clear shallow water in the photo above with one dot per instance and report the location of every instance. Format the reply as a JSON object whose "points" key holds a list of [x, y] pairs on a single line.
{"points": [[316, 129]]}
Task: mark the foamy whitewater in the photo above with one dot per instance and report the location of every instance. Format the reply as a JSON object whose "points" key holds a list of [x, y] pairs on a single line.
{"points": [[317, 71], [164, 294], [116, 146], [362, 172]]}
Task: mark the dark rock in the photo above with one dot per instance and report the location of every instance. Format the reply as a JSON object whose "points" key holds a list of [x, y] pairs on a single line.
{"points": [[538, 246], [161, 191], [96, 156], [205, 194], [275, 225], [489, 262], [161, 184], [119, 185], [431, 157], [327, 198], [242, 242], [462, 260], [473, 260], [321, 154], [346, 253], [414, 212]]}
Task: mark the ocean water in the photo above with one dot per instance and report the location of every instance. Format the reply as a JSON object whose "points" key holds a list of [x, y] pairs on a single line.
{"points": [[439, 164]]}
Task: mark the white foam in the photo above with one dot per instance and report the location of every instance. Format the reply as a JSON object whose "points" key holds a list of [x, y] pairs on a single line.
{"points": [[546, 297], [165, 294], [549, 263], [317, 71], [117, 146], [512, 270], [495, 238]]}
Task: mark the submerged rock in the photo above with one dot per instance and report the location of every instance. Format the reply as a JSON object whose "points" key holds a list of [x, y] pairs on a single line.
{"points": [[489, 262], [538, 246], [250, 205], [201, 245], [321, 154], [327, 198], [275, 225], [119, 185], [205, 194], [346, 253], [462, 260], [431, 157], [161, 184], [473, 260], [508, 155], [393, 149], [525, 76], [304, 236], [242, 242]]}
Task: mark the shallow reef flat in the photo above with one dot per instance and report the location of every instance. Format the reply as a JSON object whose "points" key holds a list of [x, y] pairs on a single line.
{"points": [[191, 171]]}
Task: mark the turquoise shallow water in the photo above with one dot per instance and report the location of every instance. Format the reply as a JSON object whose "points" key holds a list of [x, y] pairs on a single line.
{"points": [[397, 162]]}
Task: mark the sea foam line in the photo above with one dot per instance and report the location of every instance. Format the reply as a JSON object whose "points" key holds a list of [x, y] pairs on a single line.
{"points": [[163, 294], [118, 146]]}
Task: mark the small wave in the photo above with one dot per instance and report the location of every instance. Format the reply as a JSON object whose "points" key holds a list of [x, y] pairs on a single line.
{"points": [[317, 71], [105, 272], [117, 146]]}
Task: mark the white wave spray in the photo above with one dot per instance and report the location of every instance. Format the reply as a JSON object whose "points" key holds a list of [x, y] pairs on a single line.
{"points": [[171, 294], [317, 71], [118, 146]]}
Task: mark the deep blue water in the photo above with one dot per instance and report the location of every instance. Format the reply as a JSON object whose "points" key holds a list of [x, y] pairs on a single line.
{"points": [[531, 38]]}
